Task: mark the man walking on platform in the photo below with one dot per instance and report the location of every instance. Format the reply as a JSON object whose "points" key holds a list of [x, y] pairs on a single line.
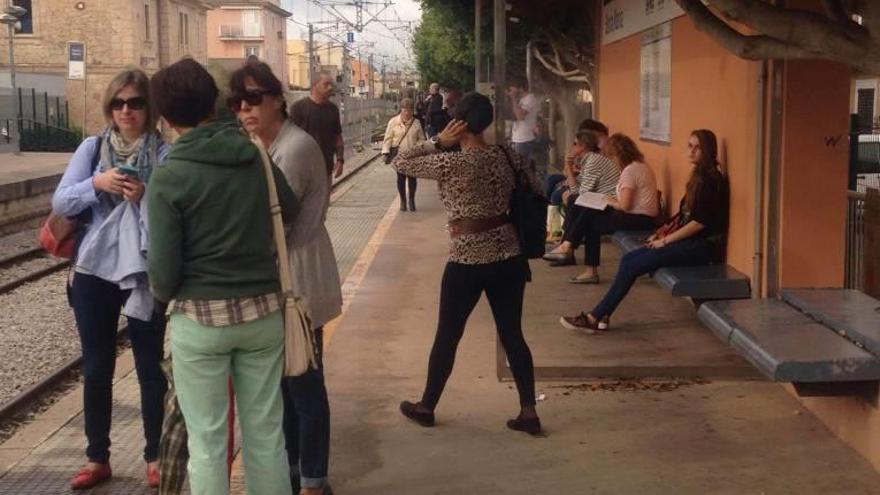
{"points": [[434, 114], [316, 277], [319, 116]]}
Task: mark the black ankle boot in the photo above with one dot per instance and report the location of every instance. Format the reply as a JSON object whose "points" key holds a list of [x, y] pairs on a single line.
{"points": [[402, 204], [411, 411], [532, 426], [412, 204]]}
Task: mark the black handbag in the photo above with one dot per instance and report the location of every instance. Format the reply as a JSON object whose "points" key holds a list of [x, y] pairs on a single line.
{"points": [[528, 213]]}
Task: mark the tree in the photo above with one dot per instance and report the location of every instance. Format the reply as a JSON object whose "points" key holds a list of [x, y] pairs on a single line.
{"points": [[847, 31], [444, 43]]}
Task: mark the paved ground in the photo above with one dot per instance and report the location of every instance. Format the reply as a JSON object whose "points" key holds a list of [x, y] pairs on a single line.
{"points": [[730, 437], [27, 166]]}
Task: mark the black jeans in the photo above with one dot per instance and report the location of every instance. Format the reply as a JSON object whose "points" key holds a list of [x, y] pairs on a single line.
{"points": [[96, 306], [688, 252], [504, 283], [402, 182], [307, 424], [590, 225]]}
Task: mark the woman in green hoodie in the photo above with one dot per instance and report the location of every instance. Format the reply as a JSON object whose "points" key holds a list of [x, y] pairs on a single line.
{"points": [[211, 257]]}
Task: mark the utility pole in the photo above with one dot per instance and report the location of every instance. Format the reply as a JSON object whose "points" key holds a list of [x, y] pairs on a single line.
{"points": [[371, 86], [311, 55], [478, 42], [500, 72]]}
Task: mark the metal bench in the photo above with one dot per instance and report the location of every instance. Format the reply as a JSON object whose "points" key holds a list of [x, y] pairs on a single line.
{"points": [[853, 314], [707, 282], [786, 345]]}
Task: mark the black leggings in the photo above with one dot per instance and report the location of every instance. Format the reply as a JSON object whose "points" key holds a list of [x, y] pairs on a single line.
{"points": [[589, 225], [402, 181], [504, 283]]}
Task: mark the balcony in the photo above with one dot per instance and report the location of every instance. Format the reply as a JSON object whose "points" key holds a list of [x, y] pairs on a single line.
{"points": [[234, 32]]}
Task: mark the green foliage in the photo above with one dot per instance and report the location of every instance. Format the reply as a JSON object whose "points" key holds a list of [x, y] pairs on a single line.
{"points": [[444, 43]]}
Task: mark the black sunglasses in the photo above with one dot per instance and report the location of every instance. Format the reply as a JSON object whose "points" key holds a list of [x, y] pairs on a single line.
{"points": [[253, 97], [136, 103]]}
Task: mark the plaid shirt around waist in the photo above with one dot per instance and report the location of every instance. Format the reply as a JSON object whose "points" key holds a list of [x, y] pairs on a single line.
{"points": [[227, 312]]}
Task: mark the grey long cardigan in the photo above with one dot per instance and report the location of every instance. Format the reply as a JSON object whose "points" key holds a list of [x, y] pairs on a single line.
{"points": [[315, 274]]}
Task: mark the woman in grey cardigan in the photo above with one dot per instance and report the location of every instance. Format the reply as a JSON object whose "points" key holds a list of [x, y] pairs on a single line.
{"points": [[258, 101]]}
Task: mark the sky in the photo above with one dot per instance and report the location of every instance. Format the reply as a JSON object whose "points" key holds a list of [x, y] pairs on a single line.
{"points": [[385, 41]]}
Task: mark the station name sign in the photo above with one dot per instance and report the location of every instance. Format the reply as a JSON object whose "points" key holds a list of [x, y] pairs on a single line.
{"points": [[623, 18]]}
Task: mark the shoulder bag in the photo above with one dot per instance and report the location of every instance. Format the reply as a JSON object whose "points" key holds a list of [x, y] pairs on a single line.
{"points": [[528, 213], [299, 340], [394, 149]]}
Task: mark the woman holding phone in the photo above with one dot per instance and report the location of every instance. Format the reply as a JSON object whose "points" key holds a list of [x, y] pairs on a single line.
{"points": [[103, 187]]}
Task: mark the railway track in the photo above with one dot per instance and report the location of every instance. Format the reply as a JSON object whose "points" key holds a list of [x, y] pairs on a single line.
{"points": [[33, 264], [30, 397]]}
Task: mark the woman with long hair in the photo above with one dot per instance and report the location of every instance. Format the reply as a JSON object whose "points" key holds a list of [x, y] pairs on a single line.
{"points": [[103, 187], [475, 187], [691, 237], [402, 133]]}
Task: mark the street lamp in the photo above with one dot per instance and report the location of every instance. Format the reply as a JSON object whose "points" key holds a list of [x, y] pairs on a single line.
{"points": [[10, 17]]}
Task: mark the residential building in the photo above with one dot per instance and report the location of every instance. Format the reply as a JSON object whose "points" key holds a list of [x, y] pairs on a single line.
{"points": [[363, 79], [238, 29], [116, 34], [329, 57]]}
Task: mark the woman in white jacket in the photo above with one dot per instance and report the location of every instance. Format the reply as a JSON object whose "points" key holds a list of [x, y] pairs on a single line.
{"points": [[403, 132]]}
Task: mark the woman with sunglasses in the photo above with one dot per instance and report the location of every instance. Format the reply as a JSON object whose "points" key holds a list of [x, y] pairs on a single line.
{"points": [[103, 187]]}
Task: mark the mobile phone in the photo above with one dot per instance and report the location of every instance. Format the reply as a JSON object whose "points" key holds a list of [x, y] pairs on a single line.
{"points": [[129, 171]]}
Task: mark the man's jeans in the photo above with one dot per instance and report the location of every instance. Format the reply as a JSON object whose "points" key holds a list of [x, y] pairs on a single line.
{"points": [[527, 151], [307, 424]]}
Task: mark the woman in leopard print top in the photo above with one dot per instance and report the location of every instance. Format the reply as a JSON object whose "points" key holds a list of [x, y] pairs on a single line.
{"points": [[475, 187]]}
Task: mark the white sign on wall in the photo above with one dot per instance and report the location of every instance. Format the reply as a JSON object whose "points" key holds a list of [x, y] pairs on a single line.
{"points": [[76, 60], [656, 84], [622, 18]]}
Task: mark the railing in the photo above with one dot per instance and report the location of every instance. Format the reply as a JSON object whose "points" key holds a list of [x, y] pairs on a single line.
{"points": [[854, 277], [38, 136], [236, 31]]}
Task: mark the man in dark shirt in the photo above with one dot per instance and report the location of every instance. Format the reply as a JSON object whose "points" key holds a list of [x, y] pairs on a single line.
{"points": [[318, 116], [434, 113]]}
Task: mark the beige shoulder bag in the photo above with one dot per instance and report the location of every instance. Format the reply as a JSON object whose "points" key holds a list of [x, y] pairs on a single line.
{"points": [[299, 340]]}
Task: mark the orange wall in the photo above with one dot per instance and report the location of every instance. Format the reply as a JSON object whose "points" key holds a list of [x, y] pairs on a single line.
{"points": [[710, 89], [814, 174]]}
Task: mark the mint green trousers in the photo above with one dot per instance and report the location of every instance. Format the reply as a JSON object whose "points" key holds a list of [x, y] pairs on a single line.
{"points": [[203, 359]]}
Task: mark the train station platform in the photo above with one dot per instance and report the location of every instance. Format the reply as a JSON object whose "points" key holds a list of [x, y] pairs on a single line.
{"points": [[692, 421]]}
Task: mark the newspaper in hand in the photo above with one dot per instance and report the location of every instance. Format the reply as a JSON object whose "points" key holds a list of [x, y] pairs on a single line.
{"points": [[592, 200]]}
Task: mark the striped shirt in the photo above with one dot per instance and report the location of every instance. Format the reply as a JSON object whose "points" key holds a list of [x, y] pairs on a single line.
{"points": [[227, 312], [598, 174]]}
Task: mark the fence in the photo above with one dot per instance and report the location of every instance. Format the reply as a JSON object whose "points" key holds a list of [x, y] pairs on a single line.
{"points": [[854, 277], [43, 123], [864, 165]]}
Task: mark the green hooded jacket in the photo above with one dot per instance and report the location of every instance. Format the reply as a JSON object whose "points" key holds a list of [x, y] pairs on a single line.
{"points": [[209, 220]]}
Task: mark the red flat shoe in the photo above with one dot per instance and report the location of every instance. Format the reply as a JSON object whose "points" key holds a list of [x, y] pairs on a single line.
{"points": [[87, 478], [153, 477]]}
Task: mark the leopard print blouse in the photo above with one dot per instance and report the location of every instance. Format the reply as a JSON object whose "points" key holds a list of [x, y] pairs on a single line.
{"points": [[474, 183]]}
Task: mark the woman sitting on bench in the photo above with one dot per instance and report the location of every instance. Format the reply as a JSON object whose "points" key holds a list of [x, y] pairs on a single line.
{"points": [[632, 204], [690, 238]]}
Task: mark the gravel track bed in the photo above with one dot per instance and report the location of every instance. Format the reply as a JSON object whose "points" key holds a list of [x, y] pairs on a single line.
{"points": [[16, 243], [24, 268], [37, 333]]}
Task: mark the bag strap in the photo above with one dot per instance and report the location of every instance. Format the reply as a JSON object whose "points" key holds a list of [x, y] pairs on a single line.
{"points": [[277, 225], [405, 132], [509, 160]]}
